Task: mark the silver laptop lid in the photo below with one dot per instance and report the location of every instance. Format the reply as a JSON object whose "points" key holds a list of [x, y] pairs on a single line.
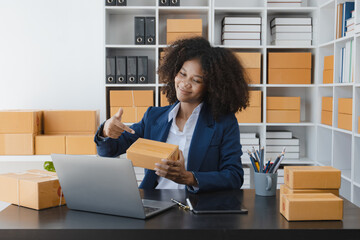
{"points": [[99, 184]]}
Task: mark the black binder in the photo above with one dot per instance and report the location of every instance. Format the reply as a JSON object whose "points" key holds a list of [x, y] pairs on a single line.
{"points": [[164, 2], [131, 70], [142, 69], [120, 69], [150, 30], [174, 2], [110, 70], [139, 30], [120, 2], [110, 2]]}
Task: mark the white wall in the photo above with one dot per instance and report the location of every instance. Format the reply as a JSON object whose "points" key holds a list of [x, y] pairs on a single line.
{"points": [[51, 54]]}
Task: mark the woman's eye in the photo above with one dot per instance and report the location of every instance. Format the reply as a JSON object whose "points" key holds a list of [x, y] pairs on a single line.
{"points": [[182, 74]]}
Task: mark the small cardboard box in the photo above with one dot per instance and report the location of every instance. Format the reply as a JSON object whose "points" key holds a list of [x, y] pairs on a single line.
{"points": [[249, 60], [122, 98], [130, 114], [249, 115], [329, 62], [345, 105], [255, 98], [145, 153], [345, 121], [71, 122], [283, 116], [48, 144], [283, 103], [311, 206], [184, 25], [21, 121], [253, 75], [17, 144], [327, 104], [326, 117], [35, 189], [293, 60], [328, 76], [80, 145], [143, 98], [140, 111], [172, 36], [289, 76], [163, 100], [285, 189], [318, 177]]}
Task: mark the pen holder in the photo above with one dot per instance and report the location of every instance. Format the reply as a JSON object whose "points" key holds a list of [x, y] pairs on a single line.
{"points": [[265, 183]]}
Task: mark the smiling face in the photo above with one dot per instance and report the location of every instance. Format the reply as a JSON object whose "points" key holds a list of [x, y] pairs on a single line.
{"points": [[189, 82]]}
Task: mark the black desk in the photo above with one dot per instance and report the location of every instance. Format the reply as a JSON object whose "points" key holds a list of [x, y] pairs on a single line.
{"points": [[262, 221]]}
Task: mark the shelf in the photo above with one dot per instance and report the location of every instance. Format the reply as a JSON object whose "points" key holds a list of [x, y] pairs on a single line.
{"points": [[325, 126], [343, 130], [290, 47], [256, 85], [291, 85], [129, 46], [250, 124], [343, 84], [326, 44], [183, 10], [226, 10], [326, 85], [131, 85], [346, 174], [275, 10], [302, 124], [344, 39], [239, 46], [357, 135], [130, 10]]}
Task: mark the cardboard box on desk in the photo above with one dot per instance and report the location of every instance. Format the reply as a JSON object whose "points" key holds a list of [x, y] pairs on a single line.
{"points": [[21, 121], [314, 177], [145, 153], [251, 62], [285, 189], [17, 144], [283, 109], [252, 114], [312, 206], [345, 113], [35, 189]]}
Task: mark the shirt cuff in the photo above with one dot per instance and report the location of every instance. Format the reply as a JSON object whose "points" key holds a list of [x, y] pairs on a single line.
{"points": [[193, 189]]}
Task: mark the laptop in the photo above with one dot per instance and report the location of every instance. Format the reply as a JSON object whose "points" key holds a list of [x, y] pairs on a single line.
{"points": [[103, 185]]}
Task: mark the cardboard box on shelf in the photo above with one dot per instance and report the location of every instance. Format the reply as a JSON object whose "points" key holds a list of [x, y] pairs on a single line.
{"points": [[249, 115], [327, 103], [163, 100], [329, 62], [143, 98], [289, 76], [255, 98], [80, 145], [345, 121], [285, 189], [21, 121], [17, 144], [60, 122], [293, 60], [326, 117], [48, 144], [328, 76], [183, 25], [345, 105], [283, 103], [249, 59], [282, 116], [253, 75], [36, 189], [122, 98], [319, 177], [145, 153], [312, 206], [173, 36], [130, 114]]}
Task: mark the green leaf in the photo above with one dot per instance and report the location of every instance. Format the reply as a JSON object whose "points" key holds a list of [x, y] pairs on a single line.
{"points": [[49, 166]]}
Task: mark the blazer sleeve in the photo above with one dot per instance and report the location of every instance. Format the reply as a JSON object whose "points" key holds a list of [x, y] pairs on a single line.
{"points": [[230, 174], [109, 147]]}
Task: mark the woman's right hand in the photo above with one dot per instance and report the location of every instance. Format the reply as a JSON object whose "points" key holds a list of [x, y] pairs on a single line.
{"points": [[113, 127]]}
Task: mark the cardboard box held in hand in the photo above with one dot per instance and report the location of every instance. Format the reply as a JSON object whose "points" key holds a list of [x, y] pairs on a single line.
{"points": [[145, 153]]}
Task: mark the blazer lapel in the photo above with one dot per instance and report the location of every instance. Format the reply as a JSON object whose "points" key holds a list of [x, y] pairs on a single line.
{"points": [[160, 130], [201, 139]]}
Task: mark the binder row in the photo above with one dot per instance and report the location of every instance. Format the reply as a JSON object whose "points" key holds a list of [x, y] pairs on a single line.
{"points": [[115, 2], [144, 30], [169, 2], [127, 69]]}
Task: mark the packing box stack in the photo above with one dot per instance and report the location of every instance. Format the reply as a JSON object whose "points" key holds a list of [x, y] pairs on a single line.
{"points": [[345, 113], [289, 68], [145, 153], [244, 31], [291, 31], [277, 140], [328, 72], [327, 110], [283, 109], [252, 114], [251, 62], [182, 28], [311, 193], [133, 102], [36, 189], [17, 131]]}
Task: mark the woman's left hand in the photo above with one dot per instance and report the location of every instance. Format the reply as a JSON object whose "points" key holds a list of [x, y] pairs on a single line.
{"points": [[175, 171]]}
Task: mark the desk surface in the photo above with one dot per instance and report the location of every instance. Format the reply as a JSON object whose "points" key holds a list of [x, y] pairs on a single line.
{"points": [[263, 219]]}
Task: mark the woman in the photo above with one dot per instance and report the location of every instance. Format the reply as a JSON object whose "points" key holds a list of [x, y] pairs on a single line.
{"points": [[205, 87]]}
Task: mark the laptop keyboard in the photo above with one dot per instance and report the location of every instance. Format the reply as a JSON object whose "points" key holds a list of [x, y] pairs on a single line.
{"points": [[150, 209]]}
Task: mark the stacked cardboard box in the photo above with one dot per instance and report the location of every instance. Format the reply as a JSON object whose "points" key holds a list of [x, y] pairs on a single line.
{"points": [[68, 132], [17, 131], [283, 109], [291, 31], [311, 193], [182, 28], [289, 68], [251, 62], [277, 140], [345, 113], [241, 31], [133, 102], [327, 110], [163, 100], [35, 189], [145, 153], [252, 114], [328, 72]]}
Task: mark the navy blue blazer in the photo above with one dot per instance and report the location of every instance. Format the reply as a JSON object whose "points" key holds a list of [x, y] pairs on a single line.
{"points": [[214, 154]]}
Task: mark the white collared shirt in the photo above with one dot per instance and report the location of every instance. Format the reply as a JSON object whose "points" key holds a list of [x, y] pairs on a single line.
{"points": [[183, 139]]}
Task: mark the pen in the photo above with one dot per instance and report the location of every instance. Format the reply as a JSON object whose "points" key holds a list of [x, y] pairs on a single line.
{"points": [[180, 204], [253, 162], [189, 204]]}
